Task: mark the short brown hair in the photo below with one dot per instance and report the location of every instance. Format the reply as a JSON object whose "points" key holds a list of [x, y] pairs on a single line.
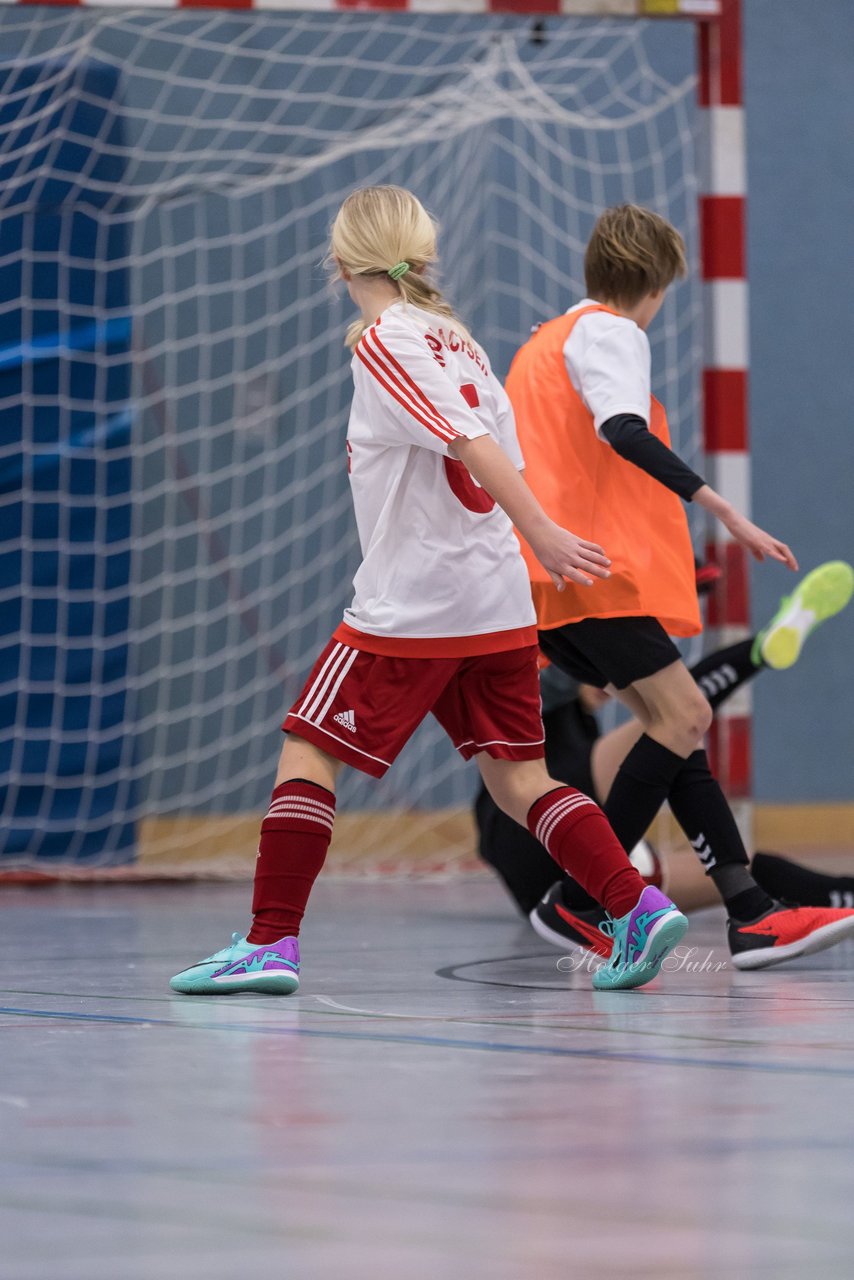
{"points": [[632, 252]]}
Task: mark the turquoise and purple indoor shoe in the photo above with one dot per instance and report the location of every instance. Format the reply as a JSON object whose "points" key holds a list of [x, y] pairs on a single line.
{"points": [[272, 970], [642, 940]]}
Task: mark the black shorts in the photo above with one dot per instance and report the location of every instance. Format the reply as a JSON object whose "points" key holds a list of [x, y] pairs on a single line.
{"points": [[615, 651]]}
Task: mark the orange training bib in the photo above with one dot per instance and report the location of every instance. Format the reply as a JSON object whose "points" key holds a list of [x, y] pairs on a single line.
{"points": [[588, 488]]}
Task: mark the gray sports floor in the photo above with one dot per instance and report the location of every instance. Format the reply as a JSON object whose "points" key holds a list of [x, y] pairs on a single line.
{"points": [[438, 1103]]}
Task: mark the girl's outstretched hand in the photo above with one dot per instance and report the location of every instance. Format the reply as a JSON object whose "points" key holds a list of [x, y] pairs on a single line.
{"points": [[565, 556]]}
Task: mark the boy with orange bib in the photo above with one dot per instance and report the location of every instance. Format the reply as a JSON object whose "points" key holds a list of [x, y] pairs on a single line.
{"points": [[597, 456]]}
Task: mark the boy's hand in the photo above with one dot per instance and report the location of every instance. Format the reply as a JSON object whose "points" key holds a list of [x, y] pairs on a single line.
{"points": [[759, 543], [565, 556]]}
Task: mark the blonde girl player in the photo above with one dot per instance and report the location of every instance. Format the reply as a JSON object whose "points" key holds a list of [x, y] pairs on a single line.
{"points": [[596, 445], [441, 619]]}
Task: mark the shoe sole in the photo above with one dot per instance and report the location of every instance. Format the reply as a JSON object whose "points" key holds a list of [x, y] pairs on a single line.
{"points": [[560, 940], [665, 936], [827, 936], [822, 594], [781, 648], [184, 983], [268, 984]]}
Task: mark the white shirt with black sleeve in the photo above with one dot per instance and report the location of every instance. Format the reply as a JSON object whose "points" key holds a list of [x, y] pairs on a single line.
{"points": [[609, 363]]}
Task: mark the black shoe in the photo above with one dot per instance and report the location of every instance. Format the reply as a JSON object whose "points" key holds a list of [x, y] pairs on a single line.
{"points": [[563, 927]]}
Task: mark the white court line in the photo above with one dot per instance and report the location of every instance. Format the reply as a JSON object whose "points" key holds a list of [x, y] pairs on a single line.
{"points": [[372, 1013]]}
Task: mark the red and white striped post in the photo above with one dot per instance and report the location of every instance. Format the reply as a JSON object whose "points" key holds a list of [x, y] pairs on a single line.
{"points": [[725, 406]]}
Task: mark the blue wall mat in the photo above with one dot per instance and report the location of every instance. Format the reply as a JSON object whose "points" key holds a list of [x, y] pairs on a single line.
{"points": [[65, 469], [800, 134]]}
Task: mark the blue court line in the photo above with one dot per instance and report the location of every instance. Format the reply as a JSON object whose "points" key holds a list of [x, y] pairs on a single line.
{"points": [[443, 1042], [83, 337]]}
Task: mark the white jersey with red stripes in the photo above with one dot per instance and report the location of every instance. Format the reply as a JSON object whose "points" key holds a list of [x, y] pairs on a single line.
{"points": [[440, 557]]}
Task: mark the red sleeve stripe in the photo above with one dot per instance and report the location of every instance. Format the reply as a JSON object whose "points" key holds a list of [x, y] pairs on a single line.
{"points": [[385, 355], [416, 401], [443, 435], [367, 360], [419, 407]]}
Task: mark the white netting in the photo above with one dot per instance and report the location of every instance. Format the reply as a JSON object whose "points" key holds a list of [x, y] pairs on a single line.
{"points": [[181, 169]]}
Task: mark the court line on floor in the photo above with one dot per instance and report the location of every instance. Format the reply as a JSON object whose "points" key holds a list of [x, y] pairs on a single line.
{"points": [[742, 994], [452, 973], [440, 1042], [537, 1025], [567, 1022]]}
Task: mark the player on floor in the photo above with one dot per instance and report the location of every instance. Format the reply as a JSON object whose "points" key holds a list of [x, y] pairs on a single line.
{"points": [[441, 619], [562, 912], [596, 445]]}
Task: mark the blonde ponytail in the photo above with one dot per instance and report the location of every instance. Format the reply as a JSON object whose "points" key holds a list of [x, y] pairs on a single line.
{"points": [[379, 230]]}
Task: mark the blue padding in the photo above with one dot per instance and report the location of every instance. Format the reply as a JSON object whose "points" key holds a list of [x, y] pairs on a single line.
{"points": [[115, 331], [65, 469]]}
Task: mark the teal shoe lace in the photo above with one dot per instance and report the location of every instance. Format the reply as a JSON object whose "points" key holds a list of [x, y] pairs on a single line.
{"points": [[226, 954], [611, 929]]}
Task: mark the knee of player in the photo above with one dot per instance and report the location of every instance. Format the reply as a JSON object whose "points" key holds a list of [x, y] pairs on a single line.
{"points": [[696, 717], [514, 789], [688, 720]]}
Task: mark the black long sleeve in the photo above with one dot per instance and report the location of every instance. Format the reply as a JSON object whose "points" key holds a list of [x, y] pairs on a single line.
{"points": [[629, 436]]}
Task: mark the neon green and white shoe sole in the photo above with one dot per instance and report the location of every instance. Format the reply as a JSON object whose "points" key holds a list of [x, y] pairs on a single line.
{"points": [[822, 593]]}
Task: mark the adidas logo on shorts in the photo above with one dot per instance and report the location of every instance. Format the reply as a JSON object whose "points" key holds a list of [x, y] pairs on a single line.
{"points": [[346, 719]]}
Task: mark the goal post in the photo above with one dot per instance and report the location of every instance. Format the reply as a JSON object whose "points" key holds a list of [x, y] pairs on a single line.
{"points": [[176, 534]]}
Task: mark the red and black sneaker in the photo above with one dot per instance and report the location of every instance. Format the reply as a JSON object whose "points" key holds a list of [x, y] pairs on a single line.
{"points": [[785, 932], [565, 927]]}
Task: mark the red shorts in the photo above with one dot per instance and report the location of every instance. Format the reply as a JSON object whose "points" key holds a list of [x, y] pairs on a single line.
{"points": [[362, 708]]}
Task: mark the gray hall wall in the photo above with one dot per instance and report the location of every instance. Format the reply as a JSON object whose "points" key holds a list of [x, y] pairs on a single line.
{"points": [[799, 96]]}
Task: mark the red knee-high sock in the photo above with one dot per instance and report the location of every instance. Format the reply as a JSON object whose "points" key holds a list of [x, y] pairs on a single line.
{"points": [[295, 836], [578, 836]]}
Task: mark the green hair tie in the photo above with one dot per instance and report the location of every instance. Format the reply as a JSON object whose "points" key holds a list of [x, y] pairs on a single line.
{"points": [[400, 269]]}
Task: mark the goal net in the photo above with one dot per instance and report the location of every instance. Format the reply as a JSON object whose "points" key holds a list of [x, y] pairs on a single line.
{"points": [[177, 540]]}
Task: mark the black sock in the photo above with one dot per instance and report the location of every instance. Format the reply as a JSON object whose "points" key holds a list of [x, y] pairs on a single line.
{"points": [[701, 809], [749, 905], [576, 898], [744, 899], [719, 674], [640, 788], [795, 883], [641, 784], [521, 861]]}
